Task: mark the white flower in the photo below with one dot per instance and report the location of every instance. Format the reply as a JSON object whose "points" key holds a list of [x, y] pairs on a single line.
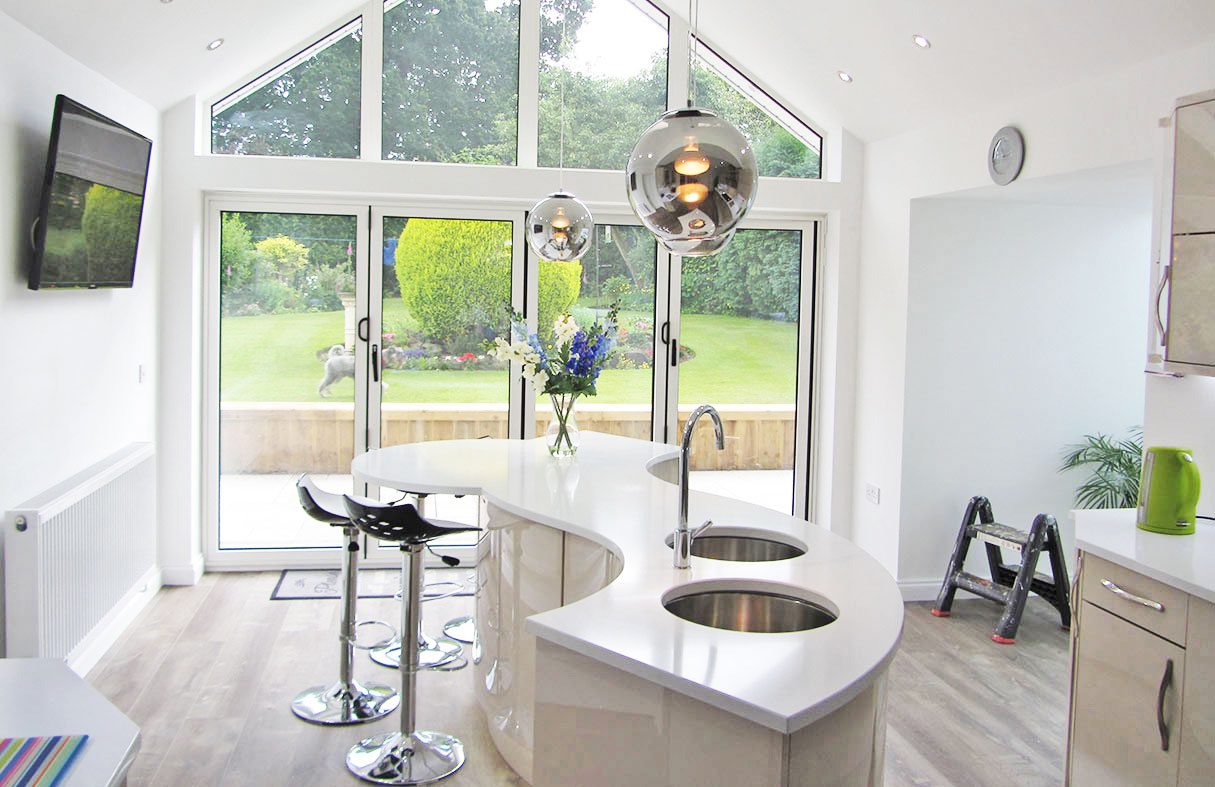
{"points": [[565, 328], [501, 349], [535, 375]]}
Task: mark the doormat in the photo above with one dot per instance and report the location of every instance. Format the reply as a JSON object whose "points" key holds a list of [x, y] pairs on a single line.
{"points": [[309, 583]]}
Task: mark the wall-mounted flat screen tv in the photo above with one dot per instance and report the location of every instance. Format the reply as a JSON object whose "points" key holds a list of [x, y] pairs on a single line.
{"points": [[87, 230]]}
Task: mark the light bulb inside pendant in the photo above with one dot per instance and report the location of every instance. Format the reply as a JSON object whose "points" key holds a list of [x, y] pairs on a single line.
{"points": [[692, 193], [691, 161]]}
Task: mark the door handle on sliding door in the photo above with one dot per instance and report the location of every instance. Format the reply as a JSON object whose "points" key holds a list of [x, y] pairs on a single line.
{"points": [[375, 363], [674, 349]]}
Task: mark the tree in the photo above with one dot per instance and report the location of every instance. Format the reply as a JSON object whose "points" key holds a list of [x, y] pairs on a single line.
{"points": [[778, 153], [311, 110], [451, 81], [236, 253], [282, 256]]}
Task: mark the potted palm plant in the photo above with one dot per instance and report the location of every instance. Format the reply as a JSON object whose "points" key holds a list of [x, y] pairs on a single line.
{"points": [[1115, 468]]}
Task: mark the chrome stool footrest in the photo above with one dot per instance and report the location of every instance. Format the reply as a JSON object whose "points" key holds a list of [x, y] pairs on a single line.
{"points": [[396, 758], [461, 629], [345, 703], [432, 654], [391, 639]]}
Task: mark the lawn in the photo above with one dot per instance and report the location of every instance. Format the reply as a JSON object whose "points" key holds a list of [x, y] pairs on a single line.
{"points": [[272, 358]]}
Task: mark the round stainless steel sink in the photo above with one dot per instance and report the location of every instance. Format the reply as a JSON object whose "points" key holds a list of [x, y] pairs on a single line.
{"points": [[746, 606], [746, 545]]}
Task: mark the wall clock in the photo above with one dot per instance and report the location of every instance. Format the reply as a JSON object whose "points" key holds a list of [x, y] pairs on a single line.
{"points": [[1005, 156]]}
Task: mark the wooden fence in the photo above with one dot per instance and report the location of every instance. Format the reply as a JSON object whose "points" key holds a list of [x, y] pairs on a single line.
{"points": [[293, 437]]}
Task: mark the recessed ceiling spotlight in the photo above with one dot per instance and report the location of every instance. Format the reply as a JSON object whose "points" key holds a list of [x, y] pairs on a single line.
{"points": [[921, 42], [166, 2], [216, 44], [844, 76]]}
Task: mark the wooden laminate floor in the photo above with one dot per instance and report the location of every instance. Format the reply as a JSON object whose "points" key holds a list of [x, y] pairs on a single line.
{"points": [[208, 673]]}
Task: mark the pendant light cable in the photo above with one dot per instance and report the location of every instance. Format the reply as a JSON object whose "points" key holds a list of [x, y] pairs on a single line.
{"points": [[691, 55], [561, 135]]}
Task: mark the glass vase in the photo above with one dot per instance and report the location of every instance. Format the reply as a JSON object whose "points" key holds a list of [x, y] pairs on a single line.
{"points": [[562, 435]]}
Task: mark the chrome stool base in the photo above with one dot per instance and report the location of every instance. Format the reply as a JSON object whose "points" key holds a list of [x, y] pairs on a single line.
{"points": [[432, 654], [395, 758], [346, 703], [461, 629]]}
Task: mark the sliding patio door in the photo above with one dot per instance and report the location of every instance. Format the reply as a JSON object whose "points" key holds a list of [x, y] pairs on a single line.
{"points": [[338, 329], [739, 336], [287, 292]]}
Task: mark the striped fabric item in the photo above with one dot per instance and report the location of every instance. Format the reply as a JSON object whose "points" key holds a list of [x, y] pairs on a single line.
{"points": [[37, 762]]}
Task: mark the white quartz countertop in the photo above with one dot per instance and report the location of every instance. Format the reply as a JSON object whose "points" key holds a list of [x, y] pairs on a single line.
{"points": [[606, 493], [1185, 562]]}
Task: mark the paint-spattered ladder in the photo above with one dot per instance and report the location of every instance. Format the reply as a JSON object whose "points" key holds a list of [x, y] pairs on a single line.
{"points": [[1010, 584]]}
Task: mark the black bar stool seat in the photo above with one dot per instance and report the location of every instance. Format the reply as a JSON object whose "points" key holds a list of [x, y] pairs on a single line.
{"points": [[408, 756]]}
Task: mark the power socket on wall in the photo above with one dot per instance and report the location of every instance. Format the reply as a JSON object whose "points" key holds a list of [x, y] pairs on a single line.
{"points": [[873, 494]]}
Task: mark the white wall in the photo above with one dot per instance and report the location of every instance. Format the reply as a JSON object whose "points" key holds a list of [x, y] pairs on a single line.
{"points": [[1024, 332], [1096, 123], [71, 393]]}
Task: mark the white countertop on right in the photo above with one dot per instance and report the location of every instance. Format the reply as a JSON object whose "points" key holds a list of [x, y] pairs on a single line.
{"points": [[1185, 562]]}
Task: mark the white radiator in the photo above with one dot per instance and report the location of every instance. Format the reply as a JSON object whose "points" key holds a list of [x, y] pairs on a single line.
{"points": [[80, 560]]}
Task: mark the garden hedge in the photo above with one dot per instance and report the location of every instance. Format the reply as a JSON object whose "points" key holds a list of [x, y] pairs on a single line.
{"points": [[455, 279]]}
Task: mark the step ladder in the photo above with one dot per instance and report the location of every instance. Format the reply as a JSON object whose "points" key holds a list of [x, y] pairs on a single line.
{"points": [[1010, 583]]}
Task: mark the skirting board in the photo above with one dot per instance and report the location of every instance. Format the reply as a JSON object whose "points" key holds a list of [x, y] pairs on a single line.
{"points": [[107, 631], [920, 589], [183, 575]]}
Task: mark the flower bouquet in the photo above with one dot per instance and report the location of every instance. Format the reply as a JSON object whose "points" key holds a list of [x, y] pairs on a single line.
{"points": [[564, 368]]}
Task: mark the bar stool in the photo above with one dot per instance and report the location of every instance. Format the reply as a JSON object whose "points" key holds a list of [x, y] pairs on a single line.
{"points": [[348, 701], [407, 756], [433, 653]]}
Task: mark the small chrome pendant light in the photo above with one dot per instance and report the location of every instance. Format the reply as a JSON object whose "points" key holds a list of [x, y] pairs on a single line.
{"points": [[692, 176], [560, 227]]}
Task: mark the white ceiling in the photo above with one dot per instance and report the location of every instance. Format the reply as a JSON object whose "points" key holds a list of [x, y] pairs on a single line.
{"points": [[982, 52]]}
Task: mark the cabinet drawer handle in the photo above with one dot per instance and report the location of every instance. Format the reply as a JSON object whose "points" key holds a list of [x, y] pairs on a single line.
{"points": [[1165, 682], [1117, 591]]}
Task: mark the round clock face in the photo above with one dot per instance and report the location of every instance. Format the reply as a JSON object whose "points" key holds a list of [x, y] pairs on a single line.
{"points": [[1005, 156]]}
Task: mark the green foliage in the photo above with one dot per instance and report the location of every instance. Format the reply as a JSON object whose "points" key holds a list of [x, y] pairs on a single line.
{"points": [[778, 152], [451, 81], [282, 256], [757, 275], [1114, 482], [312, 110], [237, 256], [455, 280], [557, 289], [110, 224], [455, 276]]}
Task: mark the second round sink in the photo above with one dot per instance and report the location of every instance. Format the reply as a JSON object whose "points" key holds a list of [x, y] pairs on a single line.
{"points": [[747, 606]]}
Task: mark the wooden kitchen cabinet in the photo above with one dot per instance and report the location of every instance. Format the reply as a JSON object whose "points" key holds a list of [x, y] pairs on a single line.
{"points": [[1118, 672], [1187, 329], [1198, 699], [1123, 641]]}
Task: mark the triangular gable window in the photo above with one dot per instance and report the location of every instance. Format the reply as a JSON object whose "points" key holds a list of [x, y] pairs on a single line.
{"points": [[784, 145], [305, 106]]}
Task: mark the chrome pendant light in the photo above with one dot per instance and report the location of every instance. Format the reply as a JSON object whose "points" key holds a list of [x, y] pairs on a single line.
{"points": [[560, 227], [692, 176]]}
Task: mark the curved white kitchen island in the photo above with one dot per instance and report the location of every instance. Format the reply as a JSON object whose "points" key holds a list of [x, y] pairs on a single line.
{"points": [[587, 679]]}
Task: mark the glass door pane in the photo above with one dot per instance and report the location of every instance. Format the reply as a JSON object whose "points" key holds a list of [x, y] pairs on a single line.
{"points": [[444, 288], [286, 372], [738, 337], [619, 267]]}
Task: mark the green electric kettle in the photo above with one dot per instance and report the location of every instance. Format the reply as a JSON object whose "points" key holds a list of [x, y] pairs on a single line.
{"points": [[1168, 491]]}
